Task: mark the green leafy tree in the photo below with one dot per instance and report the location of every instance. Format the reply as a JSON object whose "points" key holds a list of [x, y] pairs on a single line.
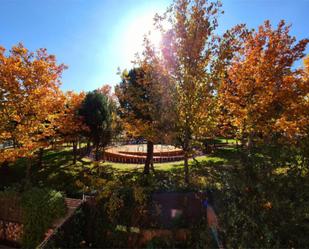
{"points": [[97, 114], [141, 108]]}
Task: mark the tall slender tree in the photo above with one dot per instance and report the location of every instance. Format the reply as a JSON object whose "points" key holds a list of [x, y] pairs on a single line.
{"points": [[188, 47]]}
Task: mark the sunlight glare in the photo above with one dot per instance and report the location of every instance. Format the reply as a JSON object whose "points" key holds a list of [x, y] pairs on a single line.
{"points": [[135, 32]]}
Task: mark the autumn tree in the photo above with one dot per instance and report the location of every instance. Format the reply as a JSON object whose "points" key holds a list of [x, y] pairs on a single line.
{"points": [[303, 141], [306, 66], [188, 47], [141, 107], [71, 125], [97, 114], [133, 96], [30, 101], [263, 92], [229, 44]]}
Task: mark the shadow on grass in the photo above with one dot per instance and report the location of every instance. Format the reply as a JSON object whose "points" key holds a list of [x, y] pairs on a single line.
{"points": [[14, 174], [59, 172]]}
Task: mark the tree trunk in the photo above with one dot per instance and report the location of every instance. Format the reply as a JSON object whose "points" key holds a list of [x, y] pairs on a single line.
{"points": [[28, 173], [149, 157], [186, 156], [97, 152], [250, 141], [40, 157], [103, 154], [152, 167], [88, 147], [186, 165], [74, 152], [196, 161]]}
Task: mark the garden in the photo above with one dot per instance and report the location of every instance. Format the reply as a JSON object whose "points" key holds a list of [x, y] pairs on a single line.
{"points": [[204, 143]]}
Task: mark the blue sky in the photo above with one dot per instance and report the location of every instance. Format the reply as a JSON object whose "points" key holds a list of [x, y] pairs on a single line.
{"points": [[95, 37]]}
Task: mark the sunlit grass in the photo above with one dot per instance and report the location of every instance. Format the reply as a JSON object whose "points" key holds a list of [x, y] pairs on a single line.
{"points": [[59, 172], [228, 140], [162, 166]]}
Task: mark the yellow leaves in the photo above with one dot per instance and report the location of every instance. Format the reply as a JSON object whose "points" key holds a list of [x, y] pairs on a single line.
{"points": [[2, 50], [306, 67], [139, 195], [261, 89], [19, 50], [32, 100], [69, 123], [139, 128], [186, 55], [16, 118]]}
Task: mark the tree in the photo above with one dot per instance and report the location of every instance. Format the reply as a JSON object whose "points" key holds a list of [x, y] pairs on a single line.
{"points": [[263, 91], [140, 108], [306, 66], [71, 124], [31, 101], [97, 114], [116, 126], [229, 44], [187, 50]]}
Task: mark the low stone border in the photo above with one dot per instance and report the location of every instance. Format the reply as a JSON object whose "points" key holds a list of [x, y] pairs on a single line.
{"points": [[135, 159]]}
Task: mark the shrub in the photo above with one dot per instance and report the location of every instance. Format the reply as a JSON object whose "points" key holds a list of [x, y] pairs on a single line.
{"points": [[40, 208], [267, 201]]}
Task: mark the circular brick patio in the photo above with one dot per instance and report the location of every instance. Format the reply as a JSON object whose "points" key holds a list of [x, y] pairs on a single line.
{"points": [[137, 153]]}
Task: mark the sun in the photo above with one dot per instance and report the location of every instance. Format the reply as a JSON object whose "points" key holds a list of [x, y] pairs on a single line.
{"points": [[134, 34]]}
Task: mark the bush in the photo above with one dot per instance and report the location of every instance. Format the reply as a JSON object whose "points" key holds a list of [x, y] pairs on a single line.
{"points": [[71, 234], [40, 208], [267, 201]]}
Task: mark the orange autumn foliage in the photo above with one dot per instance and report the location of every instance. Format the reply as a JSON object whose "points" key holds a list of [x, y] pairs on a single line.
{"points": [[262, 91], [31, 100], [71, 125]]}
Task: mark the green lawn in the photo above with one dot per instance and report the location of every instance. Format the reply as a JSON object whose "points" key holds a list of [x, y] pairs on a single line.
{"points": [[60, 173], [227, 140], [260, 192], [162, 166]]}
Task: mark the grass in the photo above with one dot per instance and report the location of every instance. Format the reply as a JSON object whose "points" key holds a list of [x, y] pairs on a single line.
{"points": [[239, 196], [161, 166], [60, 173], [227, 140]]}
